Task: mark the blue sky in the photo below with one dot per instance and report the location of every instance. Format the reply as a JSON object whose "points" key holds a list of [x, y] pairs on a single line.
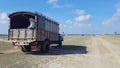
{"points": [[74, 16]]}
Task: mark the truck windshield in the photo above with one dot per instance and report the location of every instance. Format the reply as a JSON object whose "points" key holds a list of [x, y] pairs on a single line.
{"points": [[20, 21]]}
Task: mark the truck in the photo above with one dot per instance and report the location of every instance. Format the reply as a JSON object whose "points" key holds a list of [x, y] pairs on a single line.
{"points": [[32, 31]]}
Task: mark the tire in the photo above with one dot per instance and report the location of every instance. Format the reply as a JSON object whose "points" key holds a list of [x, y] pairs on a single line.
{"points": [[26, 48], [45, 47], [48, 47]]}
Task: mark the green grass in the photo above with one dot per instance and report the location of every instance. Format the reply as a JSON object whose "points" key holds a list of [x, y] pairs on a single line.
{"points": [[9, 59], [74, 43], [70, 42], [75, 40], [5, 46], [115, 39], [4, 37]]}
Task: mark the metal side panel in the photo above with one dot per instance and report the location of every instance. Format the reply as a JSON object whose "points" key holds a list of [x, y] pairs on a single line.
{"points": [[15, 34], [22, 34]]}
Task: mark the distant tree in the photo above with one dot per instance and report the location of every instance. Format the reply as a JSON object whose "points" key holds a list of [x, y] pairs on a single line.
{"points": [[115, 33], [63, 33], [82, 34]]}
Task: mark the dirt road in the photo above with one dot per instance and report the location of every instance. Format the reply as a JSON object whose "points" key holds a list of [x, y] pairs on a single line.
{"points": [[97, 52]]}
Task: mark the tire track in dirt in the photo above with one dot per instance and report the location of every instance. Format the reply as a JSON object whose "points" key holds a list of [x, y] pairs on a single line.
{"points": [[100, 54], [71, 60], [114, 50], [92, 59]]}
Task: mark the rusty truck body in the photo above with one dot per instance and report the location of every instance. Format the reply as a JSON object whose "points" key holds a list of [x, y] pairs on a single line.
{"points": [[44, 33]]}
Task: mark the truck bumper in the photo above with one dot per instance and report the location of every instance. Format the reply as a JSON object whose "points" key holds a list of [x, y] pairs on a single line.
{"points": [[22, 42]]}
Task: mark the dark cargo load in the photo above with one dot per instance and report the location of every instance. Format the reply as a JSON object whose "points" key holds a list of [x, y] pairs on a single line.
{"points": [[20, 20]]}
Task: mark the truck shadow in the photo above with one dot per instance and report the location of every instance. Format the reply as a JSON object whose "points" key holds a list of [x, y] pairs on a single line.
{"points": [[64, 50], [1, 53]]}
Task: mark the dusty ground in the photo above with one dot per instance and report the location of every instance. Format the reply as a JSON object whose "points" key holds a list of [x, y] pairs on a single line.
{"points": [[77, 52]]}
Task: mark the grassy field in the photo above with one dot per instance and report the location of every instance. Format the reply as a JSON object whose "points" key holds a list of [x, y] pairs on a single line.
{"points": [[115, 39], [19, 59], [4, 37], [71, 40], [74, 42], [5, 46], [77, 51]]}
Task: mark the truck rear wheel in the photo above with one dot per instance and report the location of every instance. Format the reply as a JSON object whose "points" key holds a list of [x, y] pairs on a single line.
{"points": [[26, 48], [45, 46]]}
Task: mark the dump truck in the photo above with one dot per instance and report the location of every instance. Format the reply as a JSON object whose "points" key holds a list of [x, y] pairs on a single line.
{"points": [[32, 31]]}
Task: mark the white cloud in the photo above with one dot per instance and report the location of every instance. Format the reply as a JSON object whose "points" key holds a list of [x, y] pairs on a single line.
{"points": [[3, 18], [77, 24], [115, 17], [81, 20], [82, 16], [55, 4], [85, 25], [69, 22], [80, 12], [63, 26], [52, 1]]}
